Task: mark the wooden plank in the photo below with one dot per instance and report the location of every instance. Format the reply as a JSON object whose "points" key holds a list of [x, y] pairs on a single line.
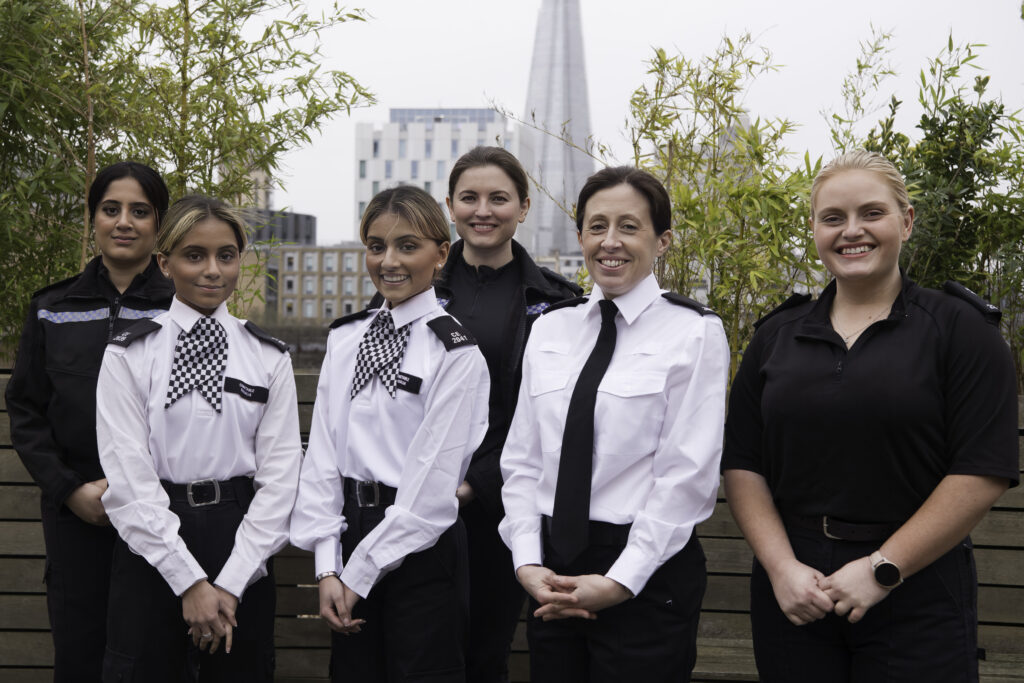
{"points": [[292, 551], [725, 626], [21, 538], [305, 417], [19, 675], [5, 430], [727, 555], [1012, 498], [1001, 641], [305, 385], [1001, 567], [22, 575], [292, 601], [291, 571], [11, 469], [302, 662], [23, 612], [519, 668], [1002, 528], [19, 502], [720, 524], [291, 632], [727, 594], [1001, 605], [26, 648], [724, 663]]}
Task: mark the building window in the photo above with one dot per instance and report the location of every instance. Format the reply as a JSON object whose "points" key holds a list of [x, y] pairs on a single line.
{"points": [[376, 187], [329, 285], [388, 169], [350, 262], [440, 170], [428, 149], [308, 308], [330, 262], [362, 209], [428, 186], [362, 168], [289, 262], [289, 285], [376, 149], [455, 149], [309, 262], [308, 285], [328, 309], [348, 308], [368, 288], [347, 286], [414, 169], [402, 145], [289, 308]]}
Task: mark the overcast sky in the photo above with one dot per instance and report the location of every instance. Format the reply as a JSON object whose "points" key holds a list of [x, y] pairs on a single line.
{"points": [[467, 53]]}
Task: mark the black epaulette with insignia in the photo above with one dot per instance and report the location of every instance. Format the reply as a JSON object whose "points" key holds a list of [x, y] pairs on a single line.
{"points": [[991, 312], [135, 331], [793, 301], [680, 300], [568, 303], [452, 334], [352, 317], [263, 335]]}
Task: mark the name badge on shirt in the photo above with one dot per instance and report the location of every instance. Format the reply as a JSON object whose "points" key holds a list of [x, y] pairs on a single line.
{"points": [[246, 391], [409, 383]]}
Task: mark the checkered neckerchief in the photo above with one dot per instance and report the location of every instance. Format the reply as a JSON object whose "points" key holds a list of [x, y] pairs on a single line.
{"points": [[380, 353], [199, 359]]}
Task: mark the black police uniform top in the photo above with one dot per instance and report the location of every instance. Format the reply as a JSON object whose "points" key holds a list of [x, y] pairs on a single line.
{"points": [[865, 434]]}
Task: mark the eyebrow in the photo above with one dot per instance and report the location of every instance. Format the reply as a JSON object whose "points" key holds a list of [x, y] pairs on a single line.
{"points": [[411, 235]]}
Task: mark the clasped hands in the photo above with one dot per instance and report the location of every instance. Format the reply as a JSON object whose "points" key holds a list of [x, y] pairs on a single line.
{"points": [[336, 604], [804, 594], [209, 612], [563, 597]]}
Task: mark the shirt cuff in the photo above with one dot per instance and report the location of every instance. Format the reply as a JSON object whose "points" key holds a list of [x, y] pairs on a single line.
{"points": [[326, 556], [632, 569], [181, 572], [526, 549], [235, 576], [360, 576]]}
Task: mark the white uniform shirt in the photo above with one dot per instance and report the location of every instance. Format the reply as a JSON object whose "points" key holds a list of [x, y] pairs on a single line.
{"points": [[141, 442], [420, 443], [657, 426]]}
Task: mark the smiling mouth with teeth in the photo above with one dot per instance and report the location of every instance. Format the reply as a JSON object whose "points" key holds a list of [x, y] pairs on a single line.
{"points": [[393, 278], [856, 250], [612, 263]]}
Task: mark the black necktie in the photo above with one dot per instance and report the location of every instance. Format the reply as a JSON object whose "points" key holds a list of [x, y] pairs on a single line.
{"points": [[200, 357], [380, 353], [570, 519]]}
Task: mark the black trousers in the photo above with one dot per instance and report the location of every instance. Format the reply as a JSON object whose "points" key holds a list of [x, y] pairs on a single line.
{"points": [[147, 639], [495, 598], [77, 577], [415, 616], [924, 630], [650, 638]]}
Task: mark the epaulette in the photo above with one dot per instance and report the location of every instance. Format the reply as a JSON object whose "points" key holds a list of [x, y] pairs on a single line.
{"points": [[452, 334], [568, 303], [793, 301], [352, 317], [136, 331], [263, 335], [680, 300], [55, 285], [560, 279], [991, 312]]}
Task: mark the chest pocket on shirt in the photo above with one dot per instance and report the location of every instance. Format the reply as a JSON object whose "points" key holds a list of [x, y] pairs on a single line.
{"points": [[629, 414]]}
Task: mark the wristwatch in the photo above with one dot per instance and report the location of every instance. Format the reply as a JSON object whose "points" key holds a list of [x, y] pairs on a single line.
{"points": [[887, 574], [323, 575]]}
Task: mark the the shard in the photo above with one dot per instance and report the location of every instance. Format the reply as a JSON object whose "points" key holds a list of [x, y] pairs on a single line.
{"points": [[556, 101]]}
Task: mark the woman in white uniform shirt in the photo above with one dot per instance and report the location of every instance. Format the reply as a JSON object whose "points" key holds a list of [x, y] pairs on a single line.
{"points": [[400, 408], [614, 571], [198, 434]]}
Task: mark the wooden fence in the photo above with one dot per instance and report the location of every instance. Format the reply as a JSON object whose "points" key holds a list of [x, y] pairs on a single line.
{"points": [[724, 652]]}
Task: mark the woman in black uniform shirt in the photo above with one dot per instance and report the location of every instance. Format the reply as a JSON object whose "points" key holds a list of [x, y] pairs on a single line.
{"points": [[868, 432], [51, 400], [492, 286]]}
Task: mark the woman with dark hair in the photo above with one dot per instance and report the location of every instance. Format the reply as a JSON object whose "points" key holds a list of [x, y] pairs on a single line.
{"points": [[400, 408], [612, 458], [51, 399], [869, 431], [492, 286], [198, 433]]}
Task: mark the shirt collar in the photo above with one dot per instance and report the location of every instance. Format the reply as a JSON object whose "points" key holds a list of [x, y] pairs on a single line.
{"points": [[414, 307], [186, 316], [632, 303]]}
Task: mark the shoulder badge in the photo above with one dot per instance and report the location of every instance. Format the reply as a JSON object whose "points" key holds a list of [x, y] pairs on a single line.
{"points": [[991, 312], [680, 300], [263, 335], [568, 303], [792, 302], [352, 317], [452, 334], [135, 331]]}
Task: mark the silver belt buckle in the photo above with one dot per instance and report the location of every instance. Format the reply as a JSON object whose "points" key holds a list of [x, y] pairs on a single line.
{"points": [[824, 528], [203, 482], [371, 486]]}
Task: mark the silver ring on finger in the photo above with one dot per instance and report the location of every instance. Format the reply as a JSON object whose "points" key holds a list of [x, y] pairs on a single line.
{"points": [[206, 636]]}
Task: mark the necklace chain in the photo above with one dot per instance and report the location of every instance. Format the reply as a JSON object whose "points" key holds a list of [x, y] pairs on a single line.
{"points": [[847, 337]]}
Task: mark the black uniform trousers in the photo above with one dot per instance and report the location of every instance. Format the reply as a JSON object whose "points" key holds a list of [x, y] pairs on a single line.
{"points": [[77, 577], [147, 639], [415, 615], [495, 597], [651, 637], [924, 630]]}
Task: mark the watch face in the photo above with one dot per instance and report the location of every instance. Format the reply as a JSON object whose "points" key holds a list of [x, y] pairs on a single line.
{"points": [[887, 574]]}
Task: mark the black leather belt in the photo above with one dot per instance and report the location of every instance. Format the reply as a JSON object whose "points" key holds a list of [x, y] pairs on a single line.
{"points": [[838, 530], [600, 533], [369, 494], [204, 492]]}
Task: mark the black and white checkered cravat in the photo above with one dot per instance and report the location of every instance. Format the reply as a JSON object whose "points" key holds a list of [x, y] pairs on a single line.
{"points": [[199, 359], [380, 353]]}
